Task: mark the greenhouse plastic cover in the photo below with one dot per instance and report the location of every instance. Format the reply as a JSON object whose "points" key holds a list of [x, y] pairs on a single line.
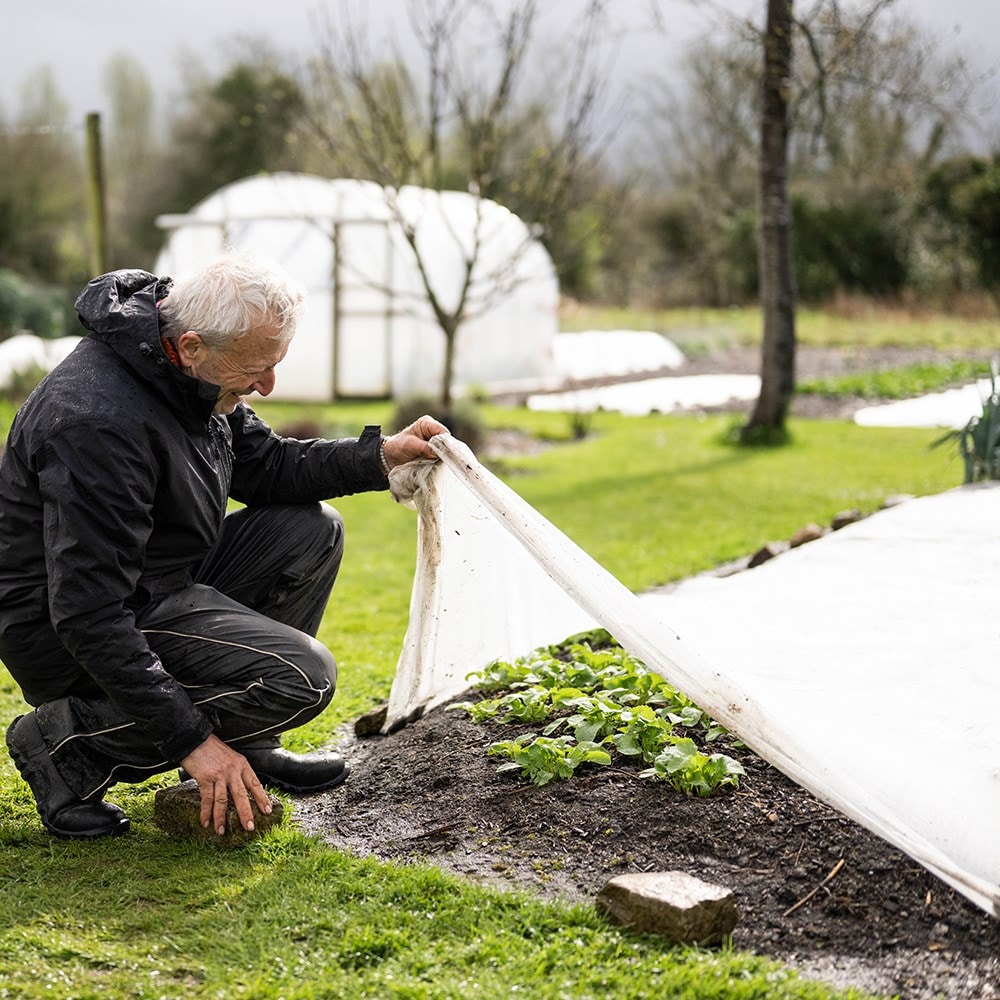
{"points": [[368, 329], [862, 665]]}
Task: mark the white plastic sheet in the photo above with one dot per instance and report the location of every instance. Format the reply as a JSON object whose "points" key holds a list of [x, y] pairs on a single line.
{"points": [[863, 666], [473, 595]]}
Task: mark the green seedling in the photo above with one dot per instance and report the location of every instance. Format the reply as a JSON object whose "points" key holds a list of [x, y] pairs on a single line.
{"points": [[544, 759], [691, 771]]}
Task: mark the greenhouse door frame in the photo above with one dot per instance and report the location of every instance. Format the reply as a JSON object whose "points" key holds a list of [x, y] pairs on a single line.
{"points": [[347, 334]]}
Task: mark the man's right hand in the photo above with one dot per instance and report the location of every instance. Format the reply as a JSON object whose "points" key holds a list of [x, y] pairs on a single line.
{"points": [[411, 442], [222, 773]]}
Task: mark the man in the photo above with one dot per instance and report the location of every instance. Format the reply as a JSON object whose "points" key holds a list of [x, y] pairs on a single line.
{"points": [[147, 628]]}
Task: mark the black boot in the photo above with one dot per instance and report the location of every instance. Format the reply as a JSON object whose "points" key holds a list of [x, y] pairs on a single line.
{"points": [[63, 812], [295, 772]]}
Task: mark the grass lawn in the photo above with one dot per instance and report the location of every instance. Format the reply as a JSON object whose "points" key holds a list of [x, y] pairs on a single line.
{"points": [[699, 330], [653, 499]]}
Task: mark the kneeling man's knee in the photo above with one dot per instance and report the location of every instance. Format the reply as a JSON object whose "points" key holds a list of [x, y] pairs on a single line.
{"points": [[319, 668], [321, 524]]}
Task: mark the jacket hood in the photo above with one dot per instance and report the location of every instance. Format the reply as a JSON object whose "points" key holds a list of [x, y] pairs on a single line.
{"points": [[122, 302], [120, 310]]}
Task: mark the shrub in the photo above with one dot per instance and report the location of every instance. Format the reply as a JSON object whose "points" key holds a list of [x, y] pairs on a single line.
{"points": [[461, 418], [21, 382], [856, 245], [43, 310]]}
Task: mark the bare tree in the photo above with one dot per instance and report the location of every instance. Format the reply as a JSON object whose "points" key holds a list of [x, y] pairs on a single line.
{"points": [[134, 159], [777, 278], [852, 111], [462, 122]]}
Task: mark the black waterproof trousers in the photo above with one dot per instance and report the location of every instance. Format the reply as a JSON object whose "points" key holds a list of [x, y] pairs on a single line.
{"points": [[240, 640]]}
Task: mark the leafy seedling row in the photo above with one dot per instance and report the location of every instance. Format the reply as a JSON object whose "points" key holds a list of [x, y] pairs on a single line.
{"points": [[598, 703]]}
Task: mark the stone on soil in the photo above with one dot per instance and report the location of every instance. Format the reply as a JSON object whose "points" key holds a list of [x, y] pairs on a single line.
{"points": [[177, 810], [807, 533], [371, 723], [767, 552], [846, 517], [677, 906]]}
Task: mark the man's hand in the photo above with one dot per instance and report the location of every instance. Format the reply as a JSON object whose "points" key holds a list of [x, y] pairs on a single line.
{"points": [[411, 442], [221, 772]]}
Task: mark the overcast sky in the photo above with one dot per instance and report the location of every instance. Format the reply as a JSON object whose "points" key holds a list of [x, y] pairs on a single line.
{"points": [[76, 38]]}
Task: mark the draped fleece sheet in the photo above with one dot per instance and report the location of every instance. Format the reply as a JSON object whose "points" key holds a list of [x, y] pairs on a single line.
{"points": [[865, 665]]}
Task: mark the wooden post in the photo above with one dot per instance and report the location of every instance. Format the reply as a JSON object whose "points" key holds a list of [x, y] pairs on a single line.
{"points": [[95, 181]]}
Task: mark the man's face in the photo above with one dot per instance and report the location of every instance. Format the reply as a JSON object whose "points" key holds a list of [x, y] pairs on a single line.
{"points": [[245, 366]]}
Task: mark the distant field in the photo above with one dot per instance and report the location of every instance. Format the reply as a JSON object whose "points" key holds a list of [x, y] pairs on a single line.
{"points": [[699, 331]]}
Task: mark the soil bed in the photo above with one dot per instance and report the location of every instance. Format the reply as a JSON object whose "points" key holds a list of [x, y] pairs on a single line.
{"points": [[429, 793]]}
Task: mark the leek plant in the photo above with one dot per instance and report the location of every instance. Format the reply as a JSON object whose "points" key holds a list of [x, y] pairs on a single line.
{"points": [[979, 440]]}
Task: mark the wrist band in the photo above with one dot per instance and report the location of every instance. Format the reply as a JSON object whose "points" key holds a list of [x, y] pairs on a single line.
{"points": [[383, 464]]}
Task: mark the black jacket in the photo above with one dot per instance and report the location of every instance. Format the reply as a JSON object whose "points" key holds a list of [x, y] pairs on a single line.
{"points": [[113, 487]]}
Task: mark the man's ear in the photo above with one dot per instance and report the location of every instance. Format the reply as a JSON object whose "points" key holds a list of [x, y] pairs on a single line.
{"points": [[189, 344]]}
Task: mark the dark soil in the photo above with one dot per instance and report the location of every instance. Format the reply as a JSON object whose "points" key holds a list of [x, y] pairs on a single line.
{"points": [[815, 890], [429, 793]]}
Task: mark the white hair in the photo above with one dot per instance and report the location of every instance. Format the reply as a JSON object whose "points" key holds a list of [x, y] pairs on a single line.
{"points": [[231, 296]]}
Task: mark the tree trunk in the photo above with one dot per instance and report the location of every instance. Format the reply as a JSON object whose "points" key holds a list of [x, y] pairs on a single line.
{"points": [[449, 326], [777, 280]]}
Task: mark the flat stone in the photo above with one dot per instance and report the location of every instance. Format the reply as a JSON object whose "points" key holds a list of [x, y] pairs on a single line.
{"points": [[371, 723], [177, 811], [807, 533], [846, 517], [677, 906], [769, 551]]}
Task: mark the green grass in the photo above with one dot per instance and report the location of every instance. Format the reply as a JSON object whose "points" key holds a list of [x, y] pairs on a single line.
{"points": [[653, 499], [150, 917], [657, 498], [7, 411], [897, 383]]}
